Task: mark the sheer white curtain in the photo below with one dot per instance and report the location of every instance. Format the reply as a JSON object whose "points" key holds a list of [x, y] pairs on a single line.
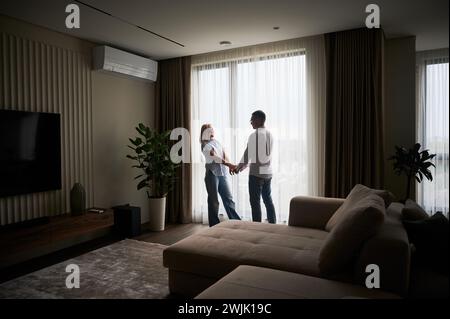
{"points": [[433, 126], [287, 81]]}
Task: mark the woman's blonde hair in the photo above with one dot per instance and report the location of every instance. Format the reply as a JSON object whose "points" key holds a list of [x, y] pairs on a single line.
{"points": [[202, 130]]}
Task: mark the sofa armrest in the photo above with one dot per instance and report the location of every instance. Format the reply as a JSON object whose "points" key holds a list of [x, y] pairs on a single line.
{"points": [[312, 212], [390, 250]]}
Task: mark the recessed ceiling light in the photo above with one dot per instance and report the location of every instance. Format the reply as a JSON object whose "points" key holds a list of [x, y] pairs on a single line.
{"points": [[225, 43], [276, 28]]}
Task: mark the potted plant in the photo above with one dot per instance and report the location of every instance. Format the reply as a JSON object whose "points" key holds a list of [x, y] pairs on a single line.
{"points": [[414, 164], [152, 158]]}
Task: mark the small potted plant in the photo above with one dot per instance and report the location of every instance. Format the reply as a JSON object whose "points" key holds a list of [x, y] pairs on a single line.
{"points": [[414, 164], [152, 158]]}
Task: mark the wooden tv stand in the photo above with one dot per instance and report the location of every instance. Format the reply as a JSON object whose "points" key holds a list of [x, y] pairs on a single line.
{"points": [[18, 244]]}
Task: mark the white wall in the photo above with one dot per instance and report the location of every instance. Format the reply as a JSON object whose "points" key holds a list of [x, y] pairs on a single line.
{"points": [[119, 104], [399, 107], [116, 105], [44, 71]]}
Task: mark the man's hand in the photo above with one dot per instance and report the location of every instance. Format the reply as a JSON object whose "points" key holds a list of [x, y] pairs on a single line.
{"points": [[232, 169], [239, 168]]}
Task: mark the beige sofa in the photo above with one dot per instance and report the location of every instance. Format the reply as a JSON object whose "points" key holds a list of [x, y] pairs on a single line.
{"points": [[251, 282], [200, 260]]}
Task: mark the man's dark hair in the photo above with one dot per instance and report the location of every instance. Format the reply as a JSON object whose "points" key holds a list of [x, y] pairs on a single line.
{"points": [[259, 115]]}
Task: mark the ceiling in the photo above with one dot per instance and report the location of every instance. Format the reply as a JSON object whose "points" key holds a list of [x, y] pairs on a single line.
{"points": [[199, 25]]}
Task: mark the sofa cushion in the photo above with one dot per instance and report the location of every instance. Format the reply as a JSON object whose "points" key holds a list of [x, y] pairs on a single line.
{"points": [[413, 211], [359, 223], [218, 250], [358, 193], [249, 282]]}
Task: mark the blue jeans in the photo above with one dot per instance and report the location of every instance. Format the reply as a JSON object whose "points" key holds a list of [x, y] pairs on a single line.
{"points": [[258, 186], [219, 185]]}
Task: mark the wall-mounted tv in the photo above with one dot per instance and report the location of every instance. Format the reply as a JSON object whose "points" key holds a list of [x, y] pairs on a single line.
{"points": [[30, 152]]}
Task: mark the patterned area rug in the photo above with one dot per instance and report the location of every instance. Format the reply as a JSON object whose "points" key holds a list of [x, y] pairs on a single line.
{"points": [[127, 269]]}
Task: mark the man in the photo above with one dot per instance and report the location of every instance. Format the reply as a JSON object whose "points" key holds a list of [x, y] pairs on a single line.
{"points": [[258, 154]]}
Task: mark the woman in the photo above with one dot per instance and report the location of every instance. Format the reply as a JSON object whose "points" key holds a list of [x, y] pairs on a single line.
{"points": [[216, 176]]}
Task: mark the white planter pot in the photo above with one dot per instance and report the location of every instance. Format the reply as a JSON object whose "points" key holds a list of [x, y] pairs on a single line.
{"points": [[157, 213]]}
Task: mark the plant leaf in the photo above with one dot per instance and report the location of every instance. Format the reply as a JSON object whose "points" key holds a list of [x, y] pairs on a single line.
{"points": [[142, 184]]}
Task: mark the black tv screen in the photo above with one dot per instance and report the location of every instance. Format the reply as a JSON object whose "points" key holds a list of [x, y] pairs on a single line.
{"points": [[30, 152]]}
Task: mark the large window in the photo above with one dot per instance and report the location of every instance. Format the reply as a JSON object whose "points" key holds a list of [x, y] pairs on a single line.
{"points": [[433, 119], [225, 94]]}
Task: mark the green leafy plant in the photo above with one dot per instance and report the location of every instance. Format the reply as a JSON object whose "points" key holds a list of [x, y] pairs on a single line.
{"points": [[413, 163], [152, 157]]}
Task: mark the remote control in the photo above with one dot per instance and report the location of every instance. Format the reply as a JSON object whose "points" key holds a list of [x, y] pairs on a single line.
{"points": [[98, 211]]}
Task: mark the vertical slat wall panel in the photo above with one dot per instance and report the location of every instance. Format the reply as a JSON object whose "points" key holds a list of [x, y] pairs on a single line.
{"points": [[42, 78]]}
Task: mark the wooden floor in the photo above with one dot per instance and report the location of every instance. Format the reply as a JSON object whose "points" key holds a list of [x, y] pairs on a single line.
{"points": [[172, 234]]}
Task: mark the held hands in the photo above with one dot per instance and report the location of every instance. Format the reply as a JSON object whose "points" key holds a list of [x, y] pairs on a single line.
{"points": [[234, 169]]}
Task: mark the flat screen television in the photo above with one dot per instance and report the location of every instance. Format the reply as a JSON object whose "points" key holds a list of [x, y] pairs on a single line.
{"points": [[30, 152]]}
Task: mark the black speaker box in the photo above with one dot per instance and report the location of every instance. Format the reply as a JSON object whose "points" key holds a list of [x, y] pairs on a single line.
{"points": [[127, 221]]}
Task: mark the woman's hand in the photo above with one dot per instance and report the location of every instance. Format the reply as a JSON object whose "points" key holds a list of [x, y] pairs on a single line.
{"points": [[232, 168], [239, 168]]}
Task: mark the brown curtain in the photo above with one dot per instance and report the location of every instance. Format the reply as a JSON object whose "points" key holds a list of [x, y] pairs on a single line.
{"points": [[354, 131], [173, 110]]}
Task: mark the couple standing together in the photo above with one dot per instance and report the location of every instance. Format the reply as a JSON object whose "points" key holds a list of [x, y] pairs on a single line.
{"points": [[257, 154]]}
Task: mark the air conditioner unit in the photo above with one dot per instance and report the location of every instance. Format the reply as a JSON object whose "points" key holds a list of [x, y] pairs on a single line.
{"points": [[114, 60]]}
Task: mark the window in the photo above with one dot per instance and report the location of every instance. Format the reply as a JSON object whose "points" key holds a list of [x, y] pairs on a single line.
{"points": [[433, 116], [224, 95]]}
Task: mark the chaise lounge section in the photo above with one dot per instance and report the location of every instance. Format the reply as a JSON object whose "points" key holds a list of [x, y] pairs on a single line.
{"points": [[200, 260], [250, 282]]}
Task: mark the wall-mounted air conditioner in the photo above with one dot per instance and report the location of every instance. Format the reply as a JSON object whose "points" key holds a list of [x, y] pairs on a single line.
{"points": [[114, 60]]}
